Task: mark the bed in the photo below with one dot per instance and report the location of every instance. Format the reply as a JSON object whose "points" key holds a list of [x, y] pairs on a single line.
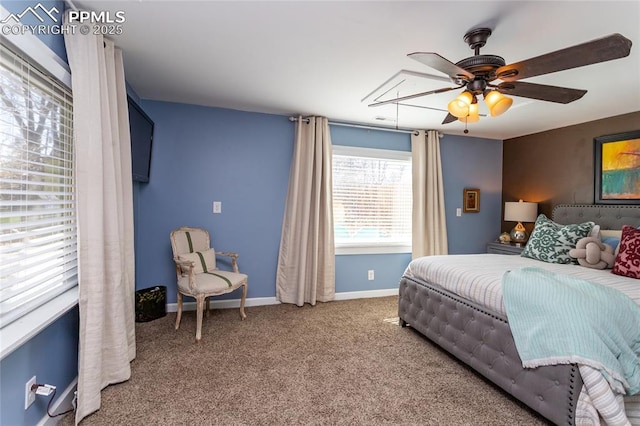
{"points": [[472, 324]]}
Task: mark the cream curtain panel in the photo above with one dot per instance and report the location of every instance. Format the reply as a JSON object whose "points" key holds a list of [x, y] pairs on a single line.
{"points": [[105, 217], [306, 262], [429, 221]]}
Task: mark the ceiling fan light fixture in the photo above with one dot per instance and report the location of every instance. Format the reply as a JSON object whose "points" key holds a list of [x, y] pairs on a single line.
{"points": [[474, 114], [478, 72], [459, 107], [497, 102]]}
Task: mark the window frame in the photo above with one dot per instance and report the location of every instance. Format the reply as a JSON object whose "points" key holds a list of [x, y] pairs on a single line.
{"points": [[20, 331], [374, 247]]}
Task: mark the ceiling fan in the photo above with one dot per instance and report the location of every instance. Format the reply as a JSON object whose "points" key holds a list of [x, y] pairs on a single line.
{"points": [[478, 74]]}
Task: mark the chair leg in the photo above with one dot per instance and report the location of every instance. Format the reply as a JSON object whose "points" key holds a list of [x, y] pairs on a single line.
{"points": [[244, 296], [179, 315], [199, 309]]}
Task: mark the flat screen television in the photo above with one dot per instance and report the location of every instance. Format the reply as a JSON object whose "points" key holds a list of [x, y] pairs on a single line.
{"points": [[141, 128]]}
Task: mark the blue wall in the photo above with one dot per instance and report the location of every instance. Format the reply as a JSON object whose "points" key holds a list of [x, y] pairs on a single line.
{"points": [[472, 163], [201, 155], [52, 355], [242, 159]]}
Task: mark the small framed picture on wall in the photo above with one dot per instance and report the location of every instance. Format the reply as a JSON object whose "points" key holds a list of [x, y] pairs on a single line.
{"points": [[471, 202]]}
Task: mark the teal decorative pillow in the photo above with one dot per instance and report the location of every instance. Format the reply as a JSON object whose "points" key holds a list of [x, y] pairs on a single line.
{"points": [[550, 241]]}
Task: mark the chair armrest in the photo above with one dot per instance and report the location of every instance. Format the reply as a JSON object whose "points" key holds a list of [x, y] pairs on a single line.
{"points": [[183, 266], [234, 259], [228, 254], [186, 264]]}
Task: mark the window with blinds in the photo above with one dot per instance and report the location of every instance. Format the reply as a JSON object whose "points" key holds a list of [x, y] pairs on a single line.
{"points": [[372, 200], [37, 206]]}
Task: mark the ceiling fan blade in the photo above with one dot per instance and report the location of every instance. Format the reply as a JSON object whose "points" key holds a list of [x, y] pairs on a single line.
{"points": [[450, 118], [441, 64], [416, 95], [541, 92], [603, 49]]}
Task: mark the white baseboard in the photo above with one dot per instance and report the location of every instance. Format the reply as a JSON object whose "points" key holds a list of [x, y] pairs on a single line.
{"points": [[63, 403], [263, 301], [347, 295]]}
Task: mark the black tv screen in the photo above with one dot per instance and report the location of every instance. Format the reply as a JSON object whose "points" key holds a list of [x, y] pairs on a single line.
{"points": [[141, 128]]}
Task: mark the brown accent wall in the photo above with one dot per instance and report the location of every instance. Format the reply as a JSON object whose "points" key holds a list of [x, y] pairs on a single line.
{"points": [[556, 166]]}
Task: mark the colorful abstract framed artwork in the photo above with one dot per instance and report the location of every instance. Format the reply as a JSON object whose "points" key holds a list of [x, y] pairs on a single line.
{"points": [[617, 168]]}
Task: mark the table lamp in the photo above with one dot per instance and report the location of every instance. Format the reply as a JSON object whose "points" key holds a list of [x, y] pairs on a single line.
{"points": [[520, 212]]}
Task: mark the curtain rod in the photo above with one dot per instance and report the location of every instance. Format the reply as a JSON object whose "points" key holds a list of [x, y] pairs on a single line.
{"points": [[361, 126]]}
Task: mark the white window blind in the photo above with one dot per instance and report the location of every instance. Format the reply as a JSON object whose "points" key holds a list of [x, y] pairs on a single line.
{"points": [[37, 206], [372, 200]]}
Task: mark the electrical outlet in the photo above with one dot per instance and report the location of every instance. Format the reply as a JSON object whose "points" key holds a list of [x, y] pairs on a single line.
{"points": [[217, 207], [370, 274], [29, 395], [458, 212]]}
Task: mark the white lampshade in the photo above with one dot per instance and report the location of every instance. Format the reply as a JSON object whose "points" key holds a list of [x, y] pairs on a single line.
{"points": [[497, 102], [520, 211], [459, 107]]}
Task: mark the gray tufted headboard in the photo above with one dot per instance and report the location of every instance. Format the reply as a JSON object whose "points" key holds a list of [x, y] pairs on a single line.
{"points": [[607, 216]]}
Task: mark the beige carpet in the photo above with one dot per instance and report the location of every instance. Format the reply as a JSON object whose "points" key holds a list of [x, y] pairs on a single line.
{"points": [[338, 363]]}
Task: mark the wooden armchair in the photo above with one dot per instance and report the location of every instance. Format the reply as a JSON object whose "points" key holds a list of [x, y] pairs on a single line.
{"points": [[198, 275]]}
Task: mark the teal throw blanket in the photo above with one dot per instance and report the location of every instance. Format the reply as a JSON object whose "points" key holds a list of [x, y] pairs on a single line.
{"points": [[560, 319]]}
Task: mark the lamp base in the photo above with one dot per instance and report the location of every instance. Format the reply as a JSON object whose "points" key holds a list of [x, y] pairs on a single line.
{"points": [[519, 234]]}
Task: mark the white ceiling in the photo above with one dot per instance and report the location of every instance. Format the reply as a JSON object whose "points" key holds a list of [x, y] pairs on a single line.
{"points": [[325, 57]]}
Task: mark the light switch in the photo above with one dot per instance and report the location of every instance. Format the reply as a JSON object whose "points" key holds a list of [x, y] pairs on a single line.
{"points": [[458, 212], [217, 207]]}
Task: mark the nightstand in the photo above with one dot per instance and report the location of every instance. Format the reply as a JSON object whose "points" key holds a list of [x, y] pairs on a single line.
{"points": [[496, 247]]}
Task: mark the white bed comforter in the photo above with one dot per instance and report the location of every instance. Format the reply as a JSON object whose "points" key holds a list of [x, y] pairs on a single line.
{"points": [[478, 277]]}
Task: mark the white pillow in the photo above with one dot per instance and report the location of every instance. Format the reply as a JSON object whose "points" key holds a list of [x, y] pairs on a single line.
{"points": [[615, 233], [205, 261]]}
